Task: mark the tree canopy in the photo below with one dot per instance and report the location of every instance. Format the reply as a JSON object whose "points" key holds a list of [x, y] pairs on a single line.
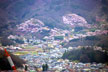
{"points": [[86, 55]]}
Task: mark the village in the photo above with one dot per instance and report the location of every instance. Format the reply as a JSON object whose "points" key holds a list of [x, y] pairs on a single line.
{"points": [[49, 51]]}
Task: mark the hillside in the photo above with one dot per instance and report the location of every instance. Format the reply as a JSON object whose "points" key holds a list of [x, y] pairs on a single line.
{"points": [[50, 12], [100, 40], [86, 55]]}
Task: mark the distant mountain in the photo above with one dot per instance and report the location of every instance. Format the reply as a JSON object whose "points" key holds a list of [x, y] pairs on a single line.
{"points": [[50, 12]]}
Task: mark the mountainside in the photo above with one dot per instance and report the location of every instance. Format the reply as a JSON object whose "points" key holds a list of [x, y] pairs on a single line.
{"points": [[50, 12]]}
